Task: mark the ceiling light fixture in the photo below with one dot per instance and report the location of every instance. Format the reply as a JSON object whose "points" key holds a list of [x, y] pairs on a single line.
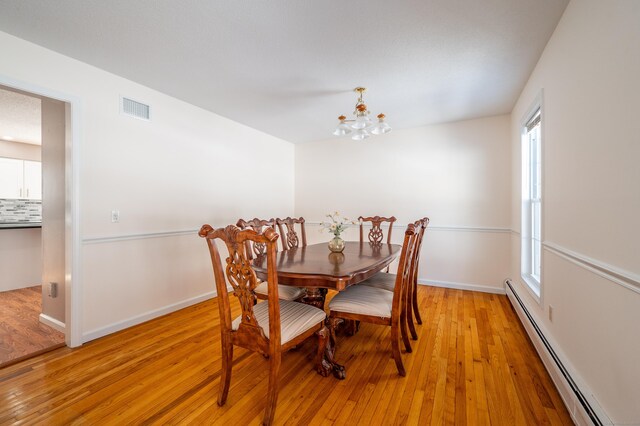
{"points": [[362, 126]]}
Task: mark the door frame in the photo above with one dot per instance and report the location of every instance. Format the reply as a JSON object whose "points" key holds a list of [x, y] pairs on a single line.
{"points": [[73, 238]]}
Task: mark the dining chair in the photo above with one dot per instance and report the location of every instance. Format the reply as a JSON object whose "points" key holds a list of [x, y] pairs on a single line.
{"points": [[376, 235], [413, 306], [270, 327], [290, 237], [285, 292], [387, 281], [379, 306]]}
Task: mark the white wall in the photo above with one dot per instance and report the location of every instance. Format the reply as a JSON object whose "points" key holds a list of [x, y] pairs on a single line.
{"points": [[591, 198], [20, 258], [457, 174], [21, 151], [171, 174]]}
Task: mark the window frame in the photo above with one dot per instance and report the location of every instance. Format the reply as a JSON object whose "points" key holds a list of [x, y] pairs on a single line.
{"points": [[532, 197]]}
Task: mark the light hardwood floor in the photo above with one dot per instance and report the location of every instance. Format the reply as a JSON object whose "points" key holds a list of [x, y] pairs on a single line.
{"points": [[472, 364], [22, 335]]}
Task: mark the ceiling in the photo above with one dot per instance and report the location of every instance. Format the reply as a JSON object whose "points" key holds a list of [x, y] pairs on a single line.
{"points": [[288, 67], [20, 118]]}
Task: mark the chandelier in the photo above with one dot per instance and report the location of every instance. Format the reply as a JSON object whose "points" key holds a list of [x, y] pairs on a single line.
{"points": [[362, 127]]}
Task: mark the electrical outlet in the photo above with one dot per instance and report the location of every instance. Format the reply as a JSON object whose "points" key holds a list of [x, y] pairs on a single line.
{"points": [[53, 290], [115, 216], [550, 313]]}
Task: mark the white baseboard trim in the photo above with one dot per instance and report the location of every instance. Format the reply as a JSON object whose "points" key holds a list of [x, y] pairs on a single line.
{"points": [[53, 323], [462, 286], [577, 396], [139, 319]]}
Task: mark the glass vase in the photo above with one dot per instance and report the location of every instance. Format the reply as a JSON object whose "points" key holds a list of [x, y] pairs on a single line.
{"points": [[336, 245]]}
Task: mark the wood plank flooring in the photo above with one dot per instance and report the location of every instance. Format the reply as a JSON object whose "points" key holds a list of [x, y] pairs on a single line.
{"points": [[21, 333], [472, 364]]}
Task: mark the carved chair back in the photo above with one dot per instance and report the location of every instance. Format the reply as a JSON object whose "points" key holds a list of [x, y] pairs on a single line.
{"points": [[241, 276], [375, 233], [256, 249], [290, 238], [404, 273], [412, 289], [421, 226]]}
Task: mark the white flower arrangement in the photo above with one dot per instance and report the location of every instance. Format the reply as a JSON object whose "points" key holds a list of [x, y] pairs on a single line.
{"points": [[338, 223]]}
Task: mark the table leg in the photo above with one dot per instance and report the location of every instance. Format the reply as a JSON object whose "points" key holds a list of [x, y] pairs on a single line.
{"points": [[329, 353], [315, 297], [326, 363]]}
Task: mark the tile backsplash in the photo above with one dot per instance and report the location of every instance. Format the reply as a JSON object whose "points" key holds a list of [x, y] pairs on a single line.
{"points": [[12, 211]]}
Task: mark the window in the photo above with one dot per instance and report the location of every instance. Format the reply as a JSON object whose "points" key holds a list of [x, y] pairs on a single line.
{"points": [[531, 201]]}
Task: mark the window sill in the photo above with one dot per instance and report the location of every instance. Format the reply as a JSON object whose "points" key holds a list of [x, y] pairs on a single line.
{"points": [[533, 287]]}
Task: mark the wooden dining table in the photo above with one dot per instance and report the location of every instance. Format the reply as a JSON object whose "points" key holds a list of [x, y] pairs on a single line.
{"points": [[317, 269]]}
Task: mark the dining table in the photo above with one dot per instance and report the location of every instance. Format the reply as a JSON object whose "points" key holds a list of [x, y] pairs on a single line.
{"points": [[317, 269]]}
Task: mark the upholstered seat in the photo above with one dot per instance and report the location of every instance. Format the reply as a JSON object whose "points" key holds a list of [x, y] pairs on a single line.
{"points": [[295, 318], [381, 280], [363, 300], [285, 292]]}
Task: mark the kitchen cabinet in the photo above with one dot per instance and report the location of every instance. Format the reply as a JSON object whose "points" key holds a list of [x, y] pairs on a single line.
{"points": [[20, 179]]}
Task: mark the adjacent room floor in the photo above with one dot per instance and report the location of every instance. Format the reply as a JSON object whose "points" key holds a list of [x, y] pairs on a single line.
{"points": [[22, 335], [472, 364]]}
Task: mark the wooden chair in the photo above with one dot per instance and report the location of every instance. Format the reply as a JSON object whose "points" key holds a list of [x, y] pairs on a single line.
{"points": [[290, 238], [375, 233], [270, 327], [379, 306], [285, 292], [413, 295], [387, 281]]}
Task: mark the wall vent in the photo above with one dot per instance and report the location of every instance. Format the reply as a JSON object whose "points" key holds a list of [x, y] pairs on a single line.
{"points": [[135, 109]]}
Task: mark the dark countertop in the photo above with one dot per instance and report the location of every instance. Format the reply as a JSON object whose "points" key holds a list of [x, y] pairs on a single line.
{"points": [[20, 225]]}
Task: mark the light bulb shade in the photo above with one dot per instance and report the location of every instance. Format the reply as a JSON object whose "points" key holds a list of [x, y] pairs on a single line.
{"points": [[361, 122], [381, 128], [342, 129], [360, 135]]}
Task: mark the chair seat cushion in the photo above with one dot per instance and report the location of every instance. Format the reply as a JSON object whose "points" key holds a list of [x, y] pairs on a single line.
{"points": [[382, 280], [295, 318], [363, 300], [285, 292]]}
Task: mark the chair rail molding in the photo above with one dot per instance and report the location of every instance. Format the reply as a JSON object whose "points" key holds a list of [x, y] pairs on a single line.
{"points": [[616, 275], [173, 233], [138, 236], [441, 228]]}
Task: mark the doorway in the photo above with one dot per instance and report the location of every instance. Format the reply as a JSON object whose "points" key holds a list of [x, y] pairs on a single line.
{"points": [[38, 223]]}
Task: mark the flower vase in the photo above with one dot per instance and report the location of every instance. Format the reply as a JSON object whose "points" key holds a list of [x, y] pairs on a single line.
{"points": [[336, 245]]}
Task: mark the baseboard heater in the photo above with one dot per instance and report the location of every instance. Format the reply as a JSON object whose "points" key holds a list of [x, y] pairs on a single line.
{"points": [[580, 397]]}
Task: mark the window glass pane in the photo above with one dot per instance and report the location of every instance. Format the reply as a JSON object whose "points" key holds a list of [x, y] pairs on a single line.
{"points": [[535, 219], [532, 196], [536, 260]]}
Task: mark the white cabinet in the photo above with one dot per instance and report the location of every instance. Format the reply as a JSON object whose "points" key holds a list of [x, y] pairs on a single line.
{"points": [[20, 179], [11, 177], [32, 185]]}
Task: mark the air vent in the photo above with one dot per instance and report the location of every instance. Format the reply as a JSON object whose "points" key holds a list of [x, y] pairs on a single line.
{"points": [[135, 109]]}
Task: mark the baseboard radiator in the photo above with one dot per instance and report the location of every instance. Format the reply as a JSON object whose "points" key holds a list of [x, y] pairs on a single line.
{"points": [[579, 396]]}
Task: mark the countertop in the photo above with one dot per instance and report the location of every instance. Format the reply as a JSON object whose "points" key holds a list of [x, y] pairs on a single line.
{"points": [[20, 225]]}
